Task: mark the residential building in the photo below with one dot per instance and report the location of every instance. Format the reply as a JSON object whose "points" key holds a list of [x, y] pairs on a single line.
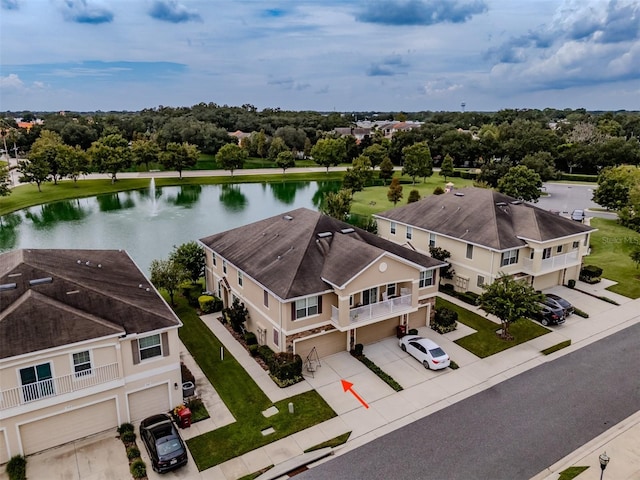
{"points": [[488, 233], [309, 280], [86, 343]]}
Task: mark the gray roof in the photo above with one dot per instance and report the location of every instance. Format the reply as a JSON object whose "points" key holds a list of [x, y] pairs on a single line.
{"points": [[77, 295], [303, 252], [484, 217]]}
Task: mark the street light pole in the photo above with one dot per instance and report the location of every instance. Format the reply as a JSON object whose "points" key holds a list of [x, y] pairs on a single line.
{"points": [[604, 460]]}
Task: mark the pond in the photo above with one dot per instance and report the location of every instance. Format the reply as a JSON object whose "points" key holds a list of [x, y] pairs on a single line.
{"points": [[149, 223]]}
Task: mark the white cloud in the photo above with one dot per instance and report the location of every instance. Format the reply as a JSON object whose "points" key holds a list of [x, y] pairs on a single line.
{"points": [[11, 82]]}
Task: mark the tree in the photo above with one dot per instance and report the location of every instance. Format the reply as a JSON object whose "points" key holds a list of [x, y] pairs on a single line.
{"points": [[35, 171], [178, 156], [4, 181], [338, 204], [73, 162], [231, 157], [493, 170], [417, 161], [443, 255], [191, 257], [47, 148], [356, 178], [329, 151], [522, 183], [110, 154], [414, 196], [236, 315], [376, 153], [168, 275], [509, 300], [261, 144], [285, 160], [542, 163], [614, 184], [145, 152], [278, 145], [635, 257], [386, 169], [446, 169], [395, 191]]}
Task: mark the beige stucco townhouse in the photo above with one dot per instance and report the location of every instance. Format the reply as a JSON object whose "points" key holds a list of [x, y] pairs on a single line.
{"points": [[488, 233], [309, 280], [86, 343]]}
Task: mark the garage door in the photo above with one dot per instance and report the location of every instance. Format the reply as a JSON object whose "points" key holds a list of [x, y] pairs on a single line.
{"points": [[148, 402], [376, 331], [547, 281], [66, 427], [326, 344], [4, 454]]}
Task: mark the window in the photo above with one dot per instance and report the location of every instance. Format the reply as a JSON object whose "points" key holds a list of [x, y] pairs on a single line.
{"points": [[469, 250], [265, 298], [546, 253], [510, 257], [82, 364], [276, 337], [224, 266], [213, 259], [432, 239], [559, 249], [575, 245], [150, 347], [391, 289], [370, 296], [480, 281], [426, 278], [239, 278], [37, 382], [393, 228], [306, 307], [409, 232]]}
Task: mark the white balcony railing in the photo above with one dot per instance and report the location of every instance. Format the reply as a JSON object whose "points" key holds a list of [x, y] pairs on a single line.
{"points": [[553, 263], [379, 310], [57, 386]]}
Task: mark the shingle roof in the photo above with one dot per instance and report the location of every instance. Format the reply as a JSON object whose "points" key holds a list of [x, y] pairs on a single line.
{"points": [[91, 294], [286, 255], [484, 217]]}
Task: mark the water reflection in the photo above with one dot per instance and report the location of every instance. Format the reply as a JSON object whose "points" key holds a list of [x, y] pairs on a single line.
{"points": [[53, 213], [187, 196], [8, 230], [286, 191], [323, 189], [232, 198], [110, 202]]}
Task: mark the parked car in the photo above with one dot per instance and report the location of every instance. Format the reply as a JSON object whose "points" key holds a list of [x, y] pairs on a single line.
{"points": [[550, 313], [425, 351], [564, 304], [163, 443], [578, 215]]}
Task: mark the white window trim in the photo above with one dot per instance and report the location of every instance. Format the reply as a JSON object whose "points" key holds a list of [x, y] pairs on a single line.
{"points": [[409, 232], [240, 278], [424, 278], [141, 348], [90, 372], [224, 266], [306, 307], [393, 227]]}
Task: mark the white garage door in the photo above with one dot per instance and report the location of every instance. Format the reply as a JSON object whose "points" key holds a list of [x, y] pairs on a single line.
{"points": [[4, 454], [326, 344], [149, 402], [66, 427]]}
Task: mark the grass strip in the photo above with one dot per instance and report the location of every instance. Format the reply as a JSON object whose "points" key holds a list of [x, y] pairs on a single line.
{"points": [[485, 342], [333, 442], [555, 348], [385, 377], [243, 397], [571, 473]]}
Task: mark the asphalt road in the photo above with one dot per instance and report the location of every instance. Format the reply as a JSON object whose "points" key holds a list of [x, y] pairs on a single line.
{"points": [[513, 430], [566, 198]]}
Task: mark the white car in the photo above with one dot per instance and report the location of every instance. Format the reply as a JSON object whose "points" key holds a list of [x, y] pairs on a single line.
{"points": [[425, 351]]}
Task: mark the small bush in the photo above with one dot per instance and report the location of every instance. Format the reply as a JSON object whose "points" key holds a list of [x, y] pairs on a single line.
{"points": [[453, 365], [138, 468], [133, 452], [580, 313], [187, 376], [266, 354], [413, 331], [286, 366], [590, 274], [447, 288], [125, 427], [445, 320], [438, 190], [17, 468], [209, 304], [128, 437], [555, 348], [414, 196], [253, 349], [250, 338]]}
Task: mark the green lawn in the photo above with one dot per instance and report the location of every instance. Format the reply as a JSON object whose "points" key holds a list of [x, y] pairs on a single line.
{"points": [[243, 397], [485, 342], [610, 249]]}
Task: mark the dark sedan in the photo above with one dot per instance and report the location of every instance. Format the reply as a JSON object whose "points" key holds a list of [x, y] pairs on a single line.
{"points": [[163, 443], [550, 314], [564, 304]]}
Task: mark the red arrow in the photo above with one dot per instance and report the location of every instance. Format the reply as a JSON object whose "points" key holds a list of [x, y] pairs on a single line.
{"points": [[347, 387]]}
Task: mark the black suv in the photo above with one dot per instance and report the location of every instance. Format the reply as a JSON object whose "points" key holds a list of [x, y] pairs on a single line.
{"points": [[564, 304], [550, 314], [163, 443]]}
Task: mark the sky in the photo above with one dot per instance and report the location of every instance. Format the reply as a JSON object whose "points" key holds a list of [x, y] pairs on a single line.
{"points": [[322, 55]]}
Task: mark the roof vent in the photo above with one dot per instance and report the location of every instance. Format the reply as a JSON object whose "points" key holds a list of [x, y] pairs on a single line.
{"points": [[459, 194], [40, 281], [324, 234], [8, 286], [516, 202], [501, 204], [73, 292], [347, 230], [11, 275], [288, 217]]}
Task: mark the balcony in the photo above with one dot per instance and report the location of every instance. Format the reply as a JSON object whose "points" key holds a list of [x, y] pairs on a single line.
{"points": [[52, 387], [555, 262], [376, 311]]}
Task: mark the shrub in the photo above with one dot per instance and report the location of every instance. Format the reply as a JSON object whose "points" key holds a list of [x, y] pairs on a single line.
{"points": [[253, 349], [445, 320], [187, 376], [438, 190], [236, 315], [414, 196], [453, 365], [190, 292], [250, 338], [133, 452], [580, 313], [286, 366], [266, 354], [590, 274], [413, 331], [138, 468], [128, 437], [446, 288], [209, 303], [17, 468], [125, 427]]}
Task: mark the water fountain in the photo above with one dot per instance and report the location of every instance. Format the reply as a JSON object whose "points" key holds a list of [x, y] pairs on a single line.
{"points": [[152, 193]]}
